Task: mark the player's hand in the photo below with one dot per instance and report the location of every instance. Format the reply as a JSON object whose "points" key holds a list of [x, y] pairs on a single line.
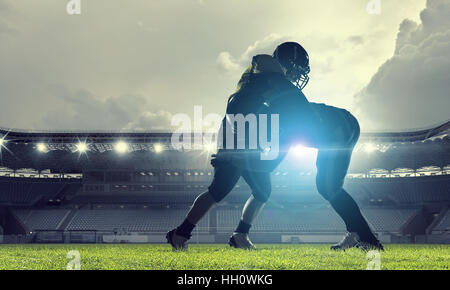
{"points": [[218, 159], [214, 160]]}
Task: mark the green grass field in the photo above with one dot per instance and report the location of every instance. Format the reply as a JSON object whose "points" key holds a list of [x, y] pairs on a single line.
{"points": [[276, 257]]}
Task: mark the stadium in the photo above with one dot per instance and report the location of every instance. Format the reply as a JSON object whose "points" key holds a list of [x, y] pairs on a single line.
{"points": [[132, 187], [108, 96]]}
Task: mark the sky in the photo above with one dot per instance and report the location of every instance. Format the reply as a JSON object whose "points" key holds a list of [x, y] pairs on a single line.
{"points": [[126, 65]]}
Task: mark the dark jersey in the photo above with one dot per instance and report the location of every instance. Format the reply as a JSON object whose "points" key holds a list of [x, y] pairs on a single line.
{"points": [[263, 89]]}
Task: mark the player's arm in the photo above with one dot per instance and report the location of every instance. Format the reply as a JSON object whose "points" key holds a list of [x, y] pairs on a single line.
{"points": [[299, 120]]}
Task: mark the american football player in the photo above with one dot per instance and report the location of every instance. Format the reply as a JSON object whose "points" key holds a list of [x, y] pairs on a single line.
{"points": [[264, 88], [274, 85]]}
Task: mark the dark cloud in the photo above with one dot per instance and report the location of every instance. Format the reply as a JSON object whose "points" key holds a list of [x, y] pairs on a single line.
{"points": [[356, 39], [82, 109], [411, 90]]}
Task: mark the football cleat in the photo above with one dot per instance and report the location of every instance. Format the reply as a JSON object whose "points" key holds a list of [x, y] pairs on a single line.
{"points": [[350, 240], [178, 243], [241, 241], [372, 243]]}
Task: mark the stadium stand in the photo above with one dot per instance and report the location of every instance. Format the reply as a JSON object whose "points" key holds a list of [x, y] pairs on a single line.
{"points": [[318, 220], [388, 220], [403, 187], [444, 225], [305, 220], [42, 219], [27, 191], [150, 220], [286, 221]]}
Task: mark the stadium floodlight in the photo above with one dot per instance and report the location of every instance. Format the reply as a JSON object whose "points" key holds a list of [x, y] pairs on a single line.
{"points": [[3, 142], [41, 147], [158, 148], [369, 147], [121, 147], [82, 147]]}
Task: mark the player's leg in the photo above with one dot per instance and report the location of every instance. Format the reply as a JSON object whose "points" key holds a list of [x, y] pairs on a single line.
{"points": [[225, 178], [332, 166], [260, 185], [202, 204], [331, 171], [251, 211]]}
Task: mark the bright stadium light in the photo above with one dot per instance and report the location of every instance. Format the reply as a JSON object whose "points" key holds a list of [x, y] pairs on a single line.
{"points": [[41, 147], [302, 151], [121, 147], [2, 142], [158, 148], [82, 147], [369, 147]]}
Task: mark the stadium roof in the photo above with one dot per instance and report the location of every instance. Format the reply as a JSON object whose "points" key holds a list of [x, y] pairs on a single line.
{"points": [[64, 151], [441, 131], [142, 137]]}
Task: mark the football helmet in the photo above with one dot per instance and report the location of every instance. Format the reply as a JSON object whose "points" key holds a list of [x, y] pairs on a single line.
{"points": [[295, 60]]}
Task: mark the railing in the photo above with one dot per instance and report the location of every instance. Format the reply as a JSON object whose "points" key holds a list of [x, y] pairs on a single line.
{"points": [[34, 175], [10, 174]]}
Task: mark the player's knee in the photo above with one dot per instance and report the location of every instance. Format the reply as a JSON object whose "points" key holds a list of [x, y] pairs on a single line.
{"points": [[326, 190], [262, 195], [210, 197], [217, 195], [322, 190]]}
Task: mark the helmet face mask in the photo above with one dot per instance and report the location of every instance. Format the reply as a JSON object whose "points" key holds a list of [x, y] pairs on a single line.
{"points": [[295, 60], [298, 76]]}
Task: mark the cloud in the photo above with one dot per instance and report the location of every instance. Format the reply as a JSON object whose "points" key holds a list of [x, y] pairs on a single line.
{"points": [[83, 109], [160, 120], [168, 52], [412, 89], [356, 40], [227, 62]]}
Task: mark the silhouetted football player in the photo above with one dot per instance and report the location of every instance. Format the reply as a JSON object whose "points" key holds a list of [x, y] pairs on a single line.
{"points": [[272, 85], [264, 88]]}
